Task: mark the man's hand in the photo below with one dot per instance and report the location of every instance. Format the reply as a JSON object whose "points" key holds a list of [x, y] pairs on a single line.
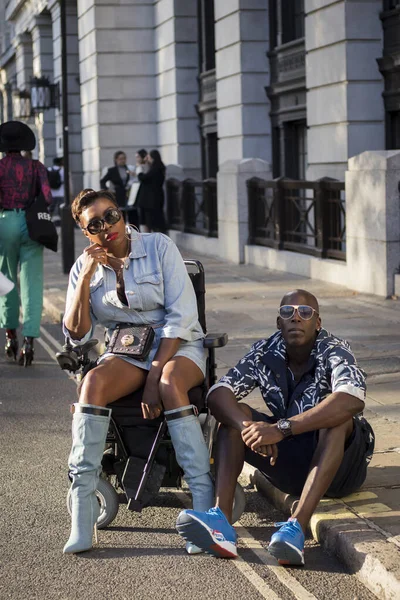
{"points": [[262, 438], [151, 400]]}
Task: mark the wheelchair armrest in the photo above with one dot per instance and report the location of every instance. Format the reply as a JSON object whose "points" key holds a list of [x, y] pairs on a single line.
{"points": [[215, 340]]}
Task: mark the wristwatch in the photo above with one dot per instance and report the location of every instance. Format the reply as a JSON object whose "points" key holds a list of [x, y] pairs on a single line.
{"points": [[285, 427]]}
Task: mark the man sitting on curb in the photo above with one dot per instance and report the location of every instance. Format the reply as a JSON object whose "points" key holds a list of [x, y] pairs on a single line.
{"points": [[315, 444]]}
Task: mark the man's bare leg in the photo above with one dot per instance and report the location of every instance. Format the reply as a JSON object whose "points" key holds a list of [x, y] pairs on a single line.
{"points": [[230, 451], [326, 461]]}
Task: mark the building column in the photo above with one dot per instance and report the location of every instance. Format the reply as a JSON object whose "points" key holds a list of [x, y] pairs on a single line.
{"points": [[74, 96], [345, 111], [118, 87], [233, 204], [24, 60], [372, 221], [24, 72], [177, 67], [42, 45], [242, 43]]}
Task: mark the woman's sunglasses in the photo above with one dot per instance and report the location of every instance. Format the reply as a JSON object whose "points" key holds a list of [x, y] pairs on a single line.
{"points": [[305, 312], [96, 225]]}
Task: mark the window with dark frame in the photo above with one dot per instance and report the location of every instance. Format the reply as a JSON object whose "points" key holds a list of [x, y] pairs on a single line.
{"points": [[295, 150], [292, 19], [393, 130], [206, 34]]}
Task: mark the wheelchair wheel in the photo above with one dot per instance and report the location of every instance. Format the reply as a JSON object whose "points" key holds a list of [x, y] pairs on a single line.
{"points": [[108, 500], [239, 503]]}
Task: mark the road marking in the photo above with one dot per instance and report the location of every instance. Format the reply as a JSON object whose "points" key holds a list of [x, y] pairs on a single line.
{"points": [[258, 582], [284, 576], [269, 561], [51, 339], [49, 350]]}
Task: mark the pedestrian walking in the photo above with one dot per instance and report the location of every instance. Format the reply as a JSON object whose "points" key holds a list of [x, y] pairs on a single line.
{"points": [[21, 180], [150, 200], [124, 277], [55, 175]]}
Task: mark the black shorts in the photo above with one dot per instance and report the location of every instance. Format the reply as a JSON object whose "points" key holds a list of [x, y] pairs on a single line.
{"points": [[290, 471]]}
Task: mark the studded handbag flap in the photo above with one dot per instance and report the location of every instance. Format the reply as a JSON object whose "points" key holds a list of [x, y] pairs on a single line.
{"points": [[131, 340]]}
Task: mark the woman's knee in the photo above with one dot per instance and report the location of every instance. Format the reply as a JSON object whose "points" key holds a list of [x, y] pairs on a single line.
{"points": [[93, 388], [171, 385]]}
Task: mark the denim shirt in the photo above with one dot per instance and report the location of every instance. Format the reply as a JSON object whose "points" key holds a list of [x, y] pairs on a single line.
{"points": [[332, 367], [157, 287]]}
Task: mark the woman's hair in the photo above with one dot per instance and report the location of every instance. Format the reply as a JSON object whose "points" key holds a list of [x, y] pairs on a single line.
{"points": [[142, 153], [157, 162], [88, 197], [118, 153]]}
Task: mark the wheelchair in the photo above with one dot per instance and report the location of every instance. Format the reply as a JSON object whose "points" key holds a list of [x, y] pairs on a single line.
{"points": [[139, 457]]}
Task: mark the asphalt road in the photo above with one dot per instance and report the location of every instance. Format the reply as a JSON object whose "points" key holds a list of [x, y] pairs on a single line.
{"points": [[139, 556]]}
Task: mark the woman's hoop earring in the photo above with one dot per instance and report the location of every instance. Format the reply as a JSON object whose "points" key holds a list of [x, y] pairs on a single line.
{"points": [[130, 239]]}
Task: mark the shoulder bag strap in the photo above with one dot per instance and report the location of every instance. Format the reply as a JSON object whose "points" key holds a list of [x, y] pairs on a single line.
{"points": [[33, 193]]}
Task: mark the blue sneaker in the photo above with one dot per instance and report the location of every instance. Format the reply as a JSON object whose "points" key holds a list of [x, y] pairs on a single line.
{"points": [[287, 544], [209, 530]]}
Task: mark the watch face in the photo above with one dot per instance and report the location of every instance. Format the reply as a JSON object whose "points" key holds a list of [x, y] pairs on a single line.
{"points": [[285, 426]]}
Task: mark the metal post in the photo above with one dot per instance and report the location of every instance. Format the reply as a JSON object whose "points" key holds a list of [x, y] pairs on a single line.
{"points": [[67, 222]]}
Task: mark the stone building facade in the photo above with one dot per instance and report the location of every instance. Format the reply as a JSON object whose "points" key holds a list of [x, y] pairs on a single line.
{"points": [[302, 84], [271, 88]]}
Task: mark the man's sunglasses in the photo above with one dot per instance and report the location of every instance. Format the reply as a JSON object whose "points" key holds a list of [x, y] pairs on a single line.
{"points": [[305, 312], [110, 217]]}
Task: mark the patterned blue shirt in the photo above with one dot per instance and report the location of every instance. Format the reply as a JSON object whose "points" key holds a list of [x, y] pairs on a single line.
{"points": [[332, 368]]}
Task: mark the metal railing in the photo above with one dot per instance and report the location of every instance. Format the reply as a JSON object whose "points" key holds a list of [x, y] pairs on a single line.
{"points": [[302, 216], [192, 206]]}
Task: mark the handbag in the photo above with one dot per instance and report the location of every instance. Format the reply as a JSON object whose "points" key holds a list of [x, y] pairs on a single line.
{"points": [[41, 228], [131, 340]]}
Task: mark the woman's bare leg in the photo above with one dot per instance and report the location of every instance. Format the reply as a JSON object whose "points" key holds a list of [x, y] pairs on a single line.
{"points": [[179, 375], [112, 379]]}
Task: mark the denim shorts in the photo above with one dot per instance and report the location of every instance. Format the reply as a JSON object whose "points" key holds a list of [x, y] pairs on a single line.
{"points": [[192, 350], [291, 469]]}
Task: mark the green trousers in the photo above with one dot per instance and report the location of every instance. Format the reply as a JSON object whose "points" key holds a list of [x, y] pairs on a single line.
{"points": [[17, 249]]}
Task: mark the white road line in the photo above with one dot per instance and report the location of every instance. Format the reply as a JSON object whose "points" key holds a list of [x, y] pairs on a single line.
{"points": [[50, 338], [49, 350], [258, 582], [269, 561], [284, 576], [245, 536]]}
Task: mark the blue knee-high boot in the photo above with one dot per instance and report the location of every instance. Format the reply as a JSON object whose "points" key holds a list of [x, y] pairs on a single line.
{"points": [[192, 456], [89, 430]]}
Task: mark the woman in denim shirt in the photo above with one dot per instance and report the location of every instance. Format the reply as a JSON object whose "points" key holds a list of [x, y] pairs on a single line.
{"points": [[127, 277]]}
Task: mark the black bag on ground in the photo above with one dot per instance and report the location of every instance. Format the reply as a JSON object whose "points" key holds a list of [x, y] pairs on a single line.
{"points": [[54, 178], [41, 228]]}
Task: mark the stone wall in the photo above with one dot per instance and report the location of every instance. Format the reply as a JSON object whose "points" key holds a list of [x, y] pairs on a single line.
{"points": [[242, 41], [345, 112], [118, 85], [177, 87]]}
